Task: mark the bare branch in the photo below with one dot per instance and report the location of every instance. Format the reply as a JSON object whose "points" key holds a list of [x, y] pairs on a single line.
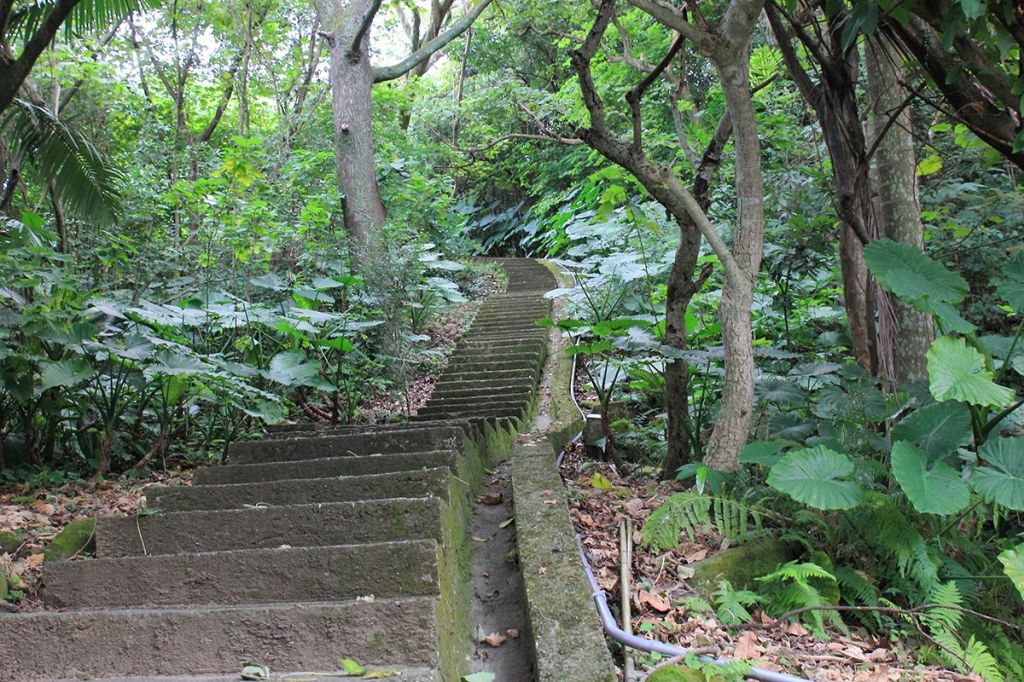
{"points": [[354, 53], [422, 54]]}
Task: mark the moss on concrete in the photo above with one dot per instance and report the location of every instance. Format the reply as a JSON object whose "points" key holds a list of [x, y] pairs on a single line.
{"points": [[9, 542], [566, 420], [568, 642], [77, 537], [740, 565], [676, 673]]}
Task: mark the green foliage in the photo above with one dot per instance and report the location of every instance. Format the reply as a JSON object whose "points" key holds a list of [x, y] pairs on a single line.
{"points": [[815, 476], [690, 512], [796, 585], [958, 372], [731, 604], [932, 488], [1002, 481]]}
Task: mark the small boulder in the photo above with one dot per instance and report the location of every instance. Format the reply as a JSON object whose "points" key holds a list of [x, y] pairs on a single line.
{"points": [[77, 537], [9, 542], [740, 565]]}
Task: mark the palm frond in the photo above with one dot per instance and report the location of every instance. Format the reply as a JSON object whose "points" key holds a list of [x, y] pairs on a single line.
{"points": [[87, 185], [87, 16]]}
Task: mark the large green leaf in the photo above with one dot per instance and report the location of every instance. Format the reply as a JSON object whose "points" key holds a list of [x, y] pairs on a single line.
{"points": [[813, 476], [958, 372], [292, 368], [66, 372], [914, 277], [938, 429], [1012, 286], [1002, 481], [938, 489], [764, 452], [1013, 565]]}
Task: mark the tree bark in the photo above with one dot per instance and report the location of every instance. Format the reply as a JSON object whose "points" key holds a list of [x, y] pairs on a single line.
{"points": [[899, 209], [735, 412]]}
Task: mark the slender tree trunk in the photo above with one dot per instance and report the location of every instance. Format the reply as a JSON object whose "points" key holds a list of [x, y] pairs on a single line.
{"points": [[855, 294], [681, 289], [899, 210], [736, 409]]}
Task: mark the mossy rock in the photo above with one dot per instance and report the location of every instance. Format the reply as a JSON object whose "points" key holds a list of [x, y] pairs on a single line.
{"points": [[677, 673], [740, 565], [3, 587], [77, 537], [9, 542]]}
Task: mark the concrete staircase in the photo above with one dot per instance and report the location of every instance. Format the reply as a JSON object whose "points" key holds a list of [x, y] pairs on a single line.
{"points": [[308, 547]]}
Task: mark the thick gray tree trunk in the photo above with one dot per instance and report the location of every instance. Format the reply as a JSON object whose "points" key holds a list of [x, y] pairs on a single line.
{"points": [[899, 213], [352, 77]]}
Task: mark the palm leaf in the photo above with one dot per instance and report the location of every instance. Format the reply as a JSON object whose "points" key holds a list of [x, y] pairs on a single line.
{"points": [[88, 16], [87, 185]]}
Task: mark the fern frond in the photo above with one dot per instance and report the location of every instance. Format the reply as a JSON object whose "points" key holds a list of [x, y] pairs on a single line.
{"points": [[733, 603], [942, 618], [857, 589], [893, 535], [981, 662], [687, 512]]}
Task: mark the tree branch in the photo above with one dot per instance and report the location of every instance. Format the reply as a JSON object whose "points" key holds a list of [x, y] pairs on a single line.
{"points": [[422, 54], [703, 40], [354, 54], [634, 96]]}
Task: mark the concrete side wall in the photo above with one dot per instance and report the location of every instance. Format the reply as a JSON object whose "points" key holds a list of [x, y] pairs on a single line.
{"points": [[568, 640]]}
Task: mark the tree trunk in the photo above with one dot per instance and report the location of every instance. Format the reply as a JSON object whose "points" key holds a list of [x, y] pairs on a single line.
{"points": [[677, 373], [899, 210], [855, 294], [736, 408], [352, 78]]}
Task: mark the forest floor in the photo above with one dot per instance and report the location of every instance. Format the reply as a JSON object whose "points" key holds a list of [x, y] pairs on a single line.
{"points": [[658, 590]]}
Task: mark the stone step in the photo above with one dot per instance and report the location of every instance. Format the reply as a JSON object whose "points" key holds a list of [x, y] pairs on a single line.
{"points": [[320, 429], [511, 334], [500, 345], [522, 395], [324, 468], [486, 393], [506, 412], [488, 357], [445, 387], [400, 672], [425, 483], [304, 525], [456, 375], [74, 645], [438, 404], [518, 409], [253, 576], [522, 319], [495, 365], [358, 443]]}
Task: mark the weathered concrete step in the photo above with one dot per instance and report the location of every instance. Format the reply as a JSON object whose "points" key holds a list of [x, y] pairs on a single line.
{"points": [[401, 672], [506, 412], [425, 483], [487, 393], [488, 357], [513, 334], [522, 319], [358, 443], [304, 525], [483, 395], [78, 645], [442, 405], [446, 386], [255, 576], [323, 468], [306, 430], [496, 365], [505, 345], [457, 375]]}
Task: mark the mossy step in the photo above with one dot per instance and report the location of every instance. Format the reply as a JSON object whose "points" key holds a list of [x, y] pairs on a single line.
{"points": [[359, 443], [305, 525], [454, 373], [397, 672], [425, 483], [435, 406], [485, 355], [324, 468], [472, 411], [146, 643], [445, 385], [254, 576], [485, 395], [498, 365]]}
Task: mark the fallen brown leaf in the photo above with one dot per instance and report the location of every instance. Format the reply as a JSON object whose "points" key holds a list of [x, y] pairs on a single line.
{"points": [[494, 639]]}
